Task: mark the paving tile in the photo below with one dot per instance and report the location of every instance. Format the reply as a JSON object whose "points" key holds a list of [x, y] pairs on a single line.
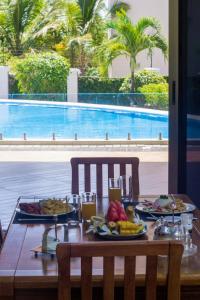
{"points": [[54, 179]]}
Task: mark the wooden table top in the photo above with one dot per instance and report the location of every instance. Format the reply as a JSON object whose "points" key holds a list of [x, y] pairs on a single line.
{"points": [[19, 268]]}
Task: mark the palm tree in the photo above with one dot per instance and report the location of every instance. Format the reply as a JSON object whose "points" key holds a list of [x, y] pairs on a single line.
{"points": [[16, 17], [23, 21], [130, 39], [117, 6], [83, 28], [85, 25]]}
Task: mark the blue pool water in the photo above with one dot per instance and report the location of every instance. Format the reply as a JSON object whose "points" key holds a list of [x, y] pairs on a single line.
{"points": [[40, 121]]}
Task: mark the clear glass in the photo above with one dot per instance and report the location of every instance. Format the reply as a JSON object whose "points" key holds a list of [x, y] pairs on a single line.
{"points": [[88, 197], [114, 189], [88, 207], [189, 247], [126, 187]]}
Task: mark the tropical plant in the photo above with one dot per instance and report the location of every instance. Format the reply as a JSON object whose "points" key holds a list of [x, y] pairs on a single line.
{"points": [[41, 73], [143, 77], [23, 21], [84, 30], [16, 16], [117, 6], [130, 39], [99, 85], [156, 95]]}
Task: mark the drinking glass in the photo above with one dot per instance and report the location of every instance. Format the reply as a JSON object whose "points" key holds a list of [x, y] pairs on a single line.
{"points": [[88, 207], [189, 247], [75, 199], [126, 187], [114, 189]]}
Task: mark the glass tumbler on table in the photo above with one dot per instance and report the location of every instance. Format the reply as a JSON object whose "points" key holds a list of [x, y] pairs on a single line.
{"points": [[114, 189], [126, 187], [189, 247], [88, 207]]}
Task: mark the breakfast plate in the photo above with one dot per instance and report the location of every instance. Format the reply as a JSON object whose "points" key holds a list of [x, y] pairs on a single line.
{"points": [[145, 208], [45, 208], [119, 237]]}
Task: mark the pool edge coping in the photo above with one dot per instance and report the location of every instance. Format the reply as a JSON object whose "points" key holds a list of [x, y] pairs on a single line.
{"points": [[89, 105], [84, 142]]}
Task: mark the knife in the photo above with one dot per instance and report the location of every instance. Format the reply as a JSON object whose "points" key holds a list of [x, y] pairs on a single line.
{"points": [[51, 220]]}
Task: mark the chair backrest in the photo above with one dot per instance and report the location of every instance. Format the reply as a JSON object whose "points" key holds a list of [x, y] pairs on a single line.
{"points": [[1, 235], [99, 162], [128, 250]]}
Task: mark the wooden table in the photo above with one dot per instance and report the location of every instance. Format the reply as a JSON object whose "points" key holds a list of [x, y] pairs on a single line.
{"points": [[22, 276]]}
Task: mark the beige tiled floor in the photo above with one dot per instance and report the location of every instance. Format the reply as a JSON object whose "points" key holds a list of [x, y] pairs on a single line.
{"points": [[47, 172]]}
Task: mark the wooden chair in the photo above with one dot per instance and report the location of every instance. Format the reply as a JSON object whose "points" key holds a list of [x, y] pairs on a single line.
{"points": [[2, 234], [99, 162], [128, 250]]}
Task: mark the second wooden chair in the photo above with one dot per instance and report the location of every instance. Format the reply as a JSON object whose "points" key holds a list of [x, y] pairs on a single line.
{"points": [[99, 162], [129, 250]]}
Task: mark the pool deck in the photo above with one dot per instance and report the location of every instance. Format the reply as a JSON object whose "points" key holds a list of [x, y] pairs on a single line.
{"points": [[45, 170], [44, 153]]}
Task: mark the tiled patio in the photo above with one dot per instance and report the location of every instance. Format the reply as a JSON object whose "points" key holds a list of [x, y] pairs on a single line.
{"points": [[54, 178]]}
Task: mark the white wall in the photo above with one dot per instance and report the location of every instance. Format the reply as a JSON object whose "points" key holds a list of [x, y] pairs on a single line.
{"points": [[4, 82], [144, 8]]}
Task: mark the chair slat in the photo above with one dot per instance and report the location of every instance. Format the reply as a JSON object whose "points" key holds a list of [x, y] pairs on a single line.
{"points": [[86, 278], [1, 235], [175, 253], [135, 181], [129, 278], [123, 173], [99, 180], [151, 277], [110, 170], [75, 179], [87, 178], [108, 278], [64, 284], [122, 169]]}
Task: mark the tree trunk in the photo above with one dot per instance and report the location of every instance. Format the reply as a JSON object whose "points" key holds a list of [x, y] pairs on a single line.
{"points": [[132, 81], [132, 67]]}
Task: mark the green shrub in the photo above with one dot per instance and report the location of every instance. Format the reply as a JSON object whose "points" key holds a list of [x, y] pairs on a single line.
{"points": [[99, 85], [41, 73], [156, 95], [142, 78], [13, 85]]}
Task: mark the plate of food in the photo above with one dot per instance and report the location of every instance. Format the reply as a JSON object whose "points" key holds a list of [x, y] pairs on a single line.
{"points": [[45, 208], [118, 224], [121, 230], [164, 205]]}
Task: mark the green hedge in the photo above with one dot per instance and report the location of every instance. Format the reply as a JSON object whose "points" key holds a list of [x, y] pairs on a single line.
{"points": [[41, 73], [99, 85], [13, 85], [143, 77], [156, 95]]}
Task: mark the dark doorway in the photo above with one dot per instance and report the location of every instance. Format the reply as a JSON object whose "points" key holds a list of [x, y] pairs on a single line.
{"points": [[184, 74]]}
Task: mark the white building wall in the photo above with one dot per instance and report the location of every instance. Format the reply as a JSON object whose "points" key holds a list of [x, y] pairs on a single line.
{"points": [[139, 9]]}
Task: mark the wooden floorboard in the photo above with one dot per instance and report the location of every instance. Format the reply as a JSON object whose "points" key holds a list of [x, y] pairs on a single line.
{"points": [[54, 179]]}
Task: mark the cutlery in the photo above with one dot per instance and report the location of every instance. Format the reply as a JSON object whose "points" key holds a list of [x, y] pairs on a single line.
{"points": [[49, 219], [152, 216]]}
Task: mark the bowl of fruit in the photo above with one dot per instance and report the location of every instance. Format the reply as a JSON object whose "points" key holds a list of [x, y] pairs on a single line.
{"points": [[118, 224]]}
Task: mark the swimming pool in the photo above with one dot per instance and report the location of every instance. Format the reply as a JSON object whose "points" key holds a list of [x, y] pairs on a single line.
{"points": [[40, 120]]}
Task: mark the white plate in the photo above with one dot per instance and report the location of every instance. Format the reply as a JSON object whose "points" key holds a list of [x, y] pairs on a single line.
{"points": [[46, 216], [115, 237], [143, 209]]}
